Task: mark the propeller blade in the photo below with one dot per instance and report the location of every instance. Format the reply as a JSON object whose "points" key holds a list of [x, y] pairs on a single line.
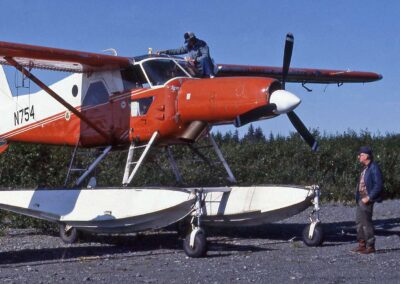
{"points": [[287, 56], [303, 131], [255, 114]]}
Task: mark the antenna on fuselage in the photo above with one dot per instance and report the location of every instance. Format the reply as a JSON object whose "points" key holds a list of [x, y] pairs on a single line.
{"points": [[111, 50]]}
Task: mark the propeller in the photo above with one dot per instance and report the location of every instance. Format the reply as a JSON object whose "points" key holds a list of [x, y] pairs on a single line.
{"points": [[294, 119], [254, 114], [303, 131], [287, 57]]}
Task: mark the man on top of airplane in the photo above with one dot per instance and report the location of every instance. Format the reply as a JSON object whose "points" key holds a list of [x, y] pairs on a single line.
{"points": [[198, 54]]}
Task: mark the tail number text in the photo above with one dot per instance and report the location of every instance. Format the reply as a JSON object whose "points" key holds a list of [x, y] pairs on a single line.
{"points": [[24, 115]]}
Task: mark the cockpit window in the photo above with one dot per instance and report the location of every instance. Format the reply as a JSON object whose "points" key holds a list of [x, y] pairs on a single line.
{"points": [[189, 67], [160, 71], [133, 78]]}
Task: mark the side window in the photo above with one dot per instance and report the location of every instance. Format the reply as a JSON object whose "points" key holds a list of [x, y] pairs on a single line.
{"points": [[96, 94], [140, 107]]}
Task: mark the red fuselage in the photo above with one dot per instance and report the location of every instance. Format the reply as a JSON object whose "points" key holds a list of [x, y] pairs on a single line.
{"points": [[170, 110]]}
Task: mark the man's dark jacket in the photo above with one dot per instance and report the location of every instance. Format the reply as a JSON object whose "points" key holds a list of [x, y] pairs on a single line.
{"points": [[198, 52], [374, 183]]}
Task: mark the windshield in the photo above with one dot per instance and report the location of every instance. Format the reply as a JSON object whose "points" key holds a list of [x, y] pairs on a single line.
{"points": [[189, 67], [160, 71]]}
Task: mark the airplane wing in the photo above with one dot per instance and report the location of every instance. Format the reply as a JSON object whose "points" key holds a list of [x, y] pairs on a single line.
{"points": [[299, 75], [56, 59]]}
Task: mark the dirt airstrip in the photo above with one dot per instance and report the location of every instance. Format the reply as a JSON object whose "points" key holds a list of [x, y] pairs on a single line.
{"points": [[271, 253]]}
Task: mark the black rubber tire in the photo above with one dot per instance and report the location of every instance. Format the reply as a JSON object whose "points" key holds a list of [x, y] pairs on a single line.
{"points": [[318, 236], [70, 236], [200, 245]]}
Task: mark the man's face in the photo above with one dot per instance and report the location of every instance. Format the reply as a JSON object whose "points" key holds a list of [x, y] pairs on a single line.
{"points": [[191, 42], [363, 158]]}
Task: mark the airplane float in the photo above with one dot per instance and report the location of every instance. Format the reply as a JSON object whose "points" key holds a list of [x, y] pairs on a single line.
{"points": [[116, 103]]}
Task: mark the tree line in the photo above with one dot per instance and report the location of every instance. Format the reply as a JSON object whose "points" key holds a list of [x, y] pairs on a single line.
{"points": [[255, 159]]}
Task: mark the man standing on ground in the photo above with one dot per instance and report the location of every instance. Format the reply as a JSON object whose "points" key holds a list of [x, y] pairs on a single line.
{"points": [[368, 191], [199, 54]]}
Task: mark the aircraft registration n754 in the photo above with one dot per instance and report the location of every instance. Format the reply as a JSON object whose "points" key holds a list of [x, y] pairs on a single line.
{"points": [[113, 102]]}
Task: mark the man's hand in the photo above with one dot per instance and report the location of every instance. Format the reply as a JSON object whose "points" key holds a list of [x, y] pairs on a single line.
{"points": [[365, 199], [190, 60]]}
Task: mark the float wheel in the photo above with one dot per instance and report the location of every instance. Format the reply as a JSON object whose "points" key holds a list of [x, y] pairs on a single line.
{"points": [[317, 237], [68, 234], [199, 248]]}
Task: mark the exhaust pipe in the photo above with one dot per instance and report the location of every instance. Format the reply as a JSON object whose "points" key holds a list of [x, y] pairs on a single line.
{"points": [[193, 131]]}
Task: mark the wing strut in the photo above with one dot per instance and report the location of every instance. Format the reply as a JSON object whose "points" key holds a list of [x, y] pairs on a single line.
{"points": [[45, 88]]}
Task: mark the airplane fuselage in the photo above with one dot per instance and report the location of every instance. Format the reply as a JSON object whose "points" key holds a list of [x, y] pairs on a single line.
{"points": [[179, 109]]}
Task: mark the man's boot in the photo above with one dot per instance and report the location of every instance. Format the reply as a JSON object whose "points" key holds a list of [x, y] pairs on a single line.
{"points": [[361, 247], [368, 250]]}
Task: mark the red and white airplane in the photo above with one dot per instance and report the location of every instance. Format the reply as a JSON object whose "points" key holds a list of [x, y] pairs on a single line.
{"points": [[114, 102]]}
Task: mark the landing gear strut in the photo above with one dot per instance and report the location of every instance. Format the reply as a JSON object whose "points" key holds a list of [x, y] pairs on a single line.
{"points": [[195, 243], [313, 234]]}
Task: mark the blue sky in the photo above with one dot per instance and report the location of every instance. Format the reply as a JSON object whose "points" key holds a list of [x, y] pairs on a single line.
{"points": [[355, 35]]}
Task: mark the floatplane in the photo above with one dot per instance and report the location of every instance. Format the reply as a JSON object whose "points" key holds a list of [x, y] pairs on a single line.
{"points": [[111, 102]]}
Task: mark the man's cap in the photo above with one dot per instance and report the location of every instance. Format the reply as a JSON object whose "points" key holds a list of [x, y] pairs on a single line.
{"points": [[188, 36], [365, 150]]}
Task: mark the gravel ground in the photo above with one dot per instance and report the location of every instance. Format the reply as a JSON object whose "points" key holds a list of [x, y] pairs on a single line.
{"points": [[271, 253]]}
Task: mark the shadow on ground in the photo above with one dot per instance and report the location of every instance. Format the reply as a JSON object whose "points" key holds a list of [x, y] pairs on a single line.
{"points": [[98, 246], [333, 232]]}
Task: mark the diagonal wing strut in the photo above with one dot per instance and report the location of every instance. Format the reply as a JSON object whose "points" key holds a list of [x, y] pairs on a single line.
{"points": [[20, 68]]}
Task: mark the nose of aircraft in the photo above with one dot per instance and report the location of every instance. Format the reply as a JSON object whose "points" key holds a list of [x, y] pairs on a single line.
{"points": [[285, 101]]}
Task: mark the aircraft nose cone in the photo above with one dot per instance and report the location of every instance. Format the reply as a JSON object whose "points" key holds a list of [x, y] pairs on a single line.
{"points": [[284, 101]]}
